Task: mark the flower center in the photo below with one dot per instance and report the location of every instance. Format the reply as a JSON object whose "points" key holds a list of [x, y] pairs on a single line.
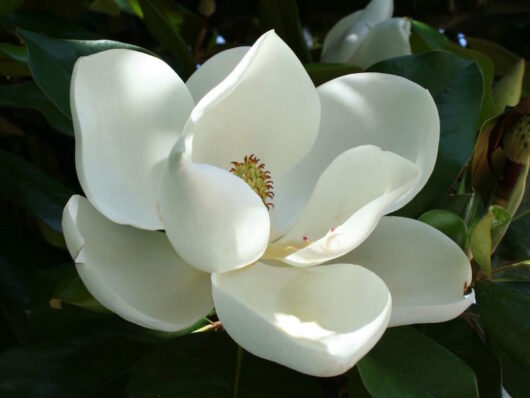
{"points": [[254, 174]]}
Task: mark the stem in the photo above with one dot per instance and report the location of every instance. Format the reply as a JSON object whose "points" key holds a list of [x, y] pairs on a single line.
{"points": [[238, 371], [511, 265], [521, 215]]}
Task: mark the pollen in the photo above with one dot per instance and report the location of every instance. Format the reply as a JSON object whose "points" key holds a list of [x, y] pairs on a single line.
{"points": [[256, 176]]}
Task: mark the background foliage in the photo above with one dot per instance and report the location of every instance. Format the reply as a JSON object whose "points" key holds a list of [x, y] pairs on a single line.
{"points": [[57, 341]]}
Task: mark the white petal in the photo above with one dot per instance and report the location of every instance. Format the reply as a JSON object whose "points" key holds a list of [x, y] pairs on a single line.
{"points": [[339, 29], [128, 110], [213, 71], [350, 197], [214, 220], [132, 272], [384, 110], [386, 40], [319, 321], [345, 44], [267, 106], [425, 271]]}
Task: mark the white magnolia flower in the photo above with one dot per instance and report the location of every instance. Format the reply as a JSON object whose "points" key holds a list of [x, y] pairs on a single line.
{"points": [[367, 36], [153, 153]]}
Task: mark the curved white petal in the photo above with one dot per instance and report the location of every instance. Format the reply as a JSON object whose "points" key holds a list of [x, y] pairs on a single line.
{"points": [[348, 200], [386, 40], [214, 220], [132, 272], [425, 271], [339, 29], [213, 71], [346, 40], [128, 110], [267, 106], [379, 109], [319, 321]]}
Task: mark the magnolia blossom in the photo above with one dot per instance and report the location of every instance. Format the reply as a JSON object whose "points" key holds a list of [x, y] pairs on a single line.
{"points": [[368, 36], [258, 180]]}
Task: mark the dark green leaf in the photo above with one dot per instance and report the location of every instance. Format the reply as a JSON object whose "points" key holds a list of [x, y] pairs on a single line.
{"points": [[433, 40], [322, 73], [70, 289], [23, 257], [282, 16], [7, 6], [48, 24], [458, 337], [162, 29], [504, 313], [52, 60], [28, 95], [449, 223], [456, 85], [16, 53], [26, 185], [356, 388], [204, 365], [406, 363], [516, 243], [516, 379], [76, 367], [10, 66]]}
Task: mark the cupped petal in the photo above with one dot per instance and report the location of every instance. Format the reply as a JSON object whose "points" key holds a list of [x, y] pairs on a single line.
{"points": [[339, 29], [383, 110], [348, 200], [213, 219], [213, 71], [426, 272], [388, 39], [319, 321], [134, 273], [343, 41], [267, 106], [128, 109]]}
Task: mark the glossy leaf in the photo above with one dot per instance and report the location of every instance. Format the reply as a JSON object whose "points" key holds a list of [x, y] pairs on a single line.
{"points": [[27, 186], [28, 95], [160, 26], [431, 39], [458, 337], [11, 67], [516, 378], [406, 363], [71, 290], [456, 86], [206, 364], [16, 53], [449, 223], [504, 314], [282, 16], [52, 60]]}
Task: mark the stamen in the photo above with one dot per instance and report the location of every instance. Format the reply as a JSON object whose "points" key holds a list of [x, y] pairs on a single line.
{"points": [[254, 174]]}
